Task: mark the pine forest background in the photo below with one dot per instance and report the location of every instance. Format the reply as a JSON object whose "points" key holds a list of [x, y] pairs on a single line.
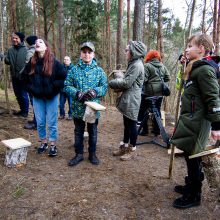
{"points": [[109, 25]]}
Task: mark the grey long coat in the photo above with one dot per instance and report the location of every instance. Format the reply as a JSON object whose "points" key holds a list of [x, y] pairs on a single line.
{"points": [[129, 102]]}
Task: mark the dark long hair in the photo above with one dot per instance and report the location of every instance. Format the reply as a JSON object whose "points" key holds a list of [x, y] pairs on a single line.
{"points": [[48, 60]]}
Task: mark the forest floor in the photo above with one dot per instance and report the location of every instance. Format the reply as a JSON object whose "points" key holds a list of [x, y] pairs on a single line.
{"points": [[46, 188]]}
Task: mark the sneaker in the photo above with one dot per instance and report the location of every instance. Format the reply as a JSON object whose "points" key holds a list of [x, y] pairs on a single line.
{"points": [[43, 147], [187, 201], [130, 154], [30, 126], [52, 151], [62, 117]]}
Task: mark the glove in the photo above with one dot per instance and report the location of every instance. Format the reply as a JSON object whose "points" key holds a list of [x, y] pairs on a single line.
{"points": [[91, 94], [80, 96]]}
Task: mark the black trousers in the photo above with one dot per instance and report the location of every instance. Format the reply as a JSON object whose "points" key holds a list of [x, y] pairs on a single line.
{"points": [[130, 131], [195, 174]]}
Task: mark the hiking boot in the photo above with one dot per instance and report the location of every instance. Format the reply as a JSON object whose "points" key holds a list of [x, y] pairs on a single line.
{"points": [[187, 201], [121, 151], [43, 147], [93, 159], [52, 151], [181, 189], [76, 160], [30, 126], [131, 153]]}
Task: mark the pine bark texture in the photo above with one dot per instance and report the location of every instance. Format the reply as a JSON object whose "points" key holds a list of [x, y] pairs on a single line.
{"points": [[138, 28]]}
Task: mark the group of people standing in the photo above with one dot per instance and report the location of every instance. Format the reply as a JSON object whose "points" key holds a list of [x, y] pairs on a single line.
{"points": [[46, 79]]}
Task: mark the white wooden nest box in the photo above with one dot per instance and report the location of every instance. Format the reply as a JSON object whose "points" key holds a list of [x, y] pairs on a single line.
{"points": [[16, 151]]}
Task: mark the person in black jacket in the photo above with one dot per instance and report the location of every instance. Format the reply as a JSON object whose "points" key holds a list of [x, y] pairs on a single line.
{"points": [[44, 78], [15, 58]]}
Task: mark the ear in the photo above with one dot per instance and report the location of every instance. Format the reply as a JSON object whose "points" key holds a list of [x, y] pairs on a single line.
{"points": [[202, 49]]}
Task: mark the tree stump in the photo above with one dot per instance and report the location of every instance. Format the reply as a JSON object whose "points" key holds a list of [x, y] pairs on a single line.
{"points": [[16, 152]]}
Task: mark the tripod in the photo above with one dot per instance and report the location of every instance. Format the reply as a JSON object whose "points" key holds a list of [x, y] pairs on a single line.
{"points": [[152, 110]]}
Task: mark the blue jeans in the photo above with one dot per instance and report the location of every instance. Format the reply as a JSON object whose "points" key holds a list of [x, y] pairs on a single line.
{"points": [[79, 132], [63, 98], [46, 111], [21, 94]]}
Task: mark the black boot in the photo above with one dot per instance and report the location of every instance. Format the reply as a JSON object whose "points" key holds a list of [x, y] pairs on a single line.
{"points": [[93, 159], [188, 201], [76, 160]]}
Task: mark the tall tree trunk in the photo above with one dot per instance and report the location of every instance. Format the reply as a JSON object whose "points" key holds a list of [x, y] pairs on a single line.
{"points": [[191, 18], [119, 34], [54, 41], [39, 32], [108, 35], [5, 74], [214, 33], [218, 32], [45, 23], [34, 11], [128, 19], [138, 29], [61, 24], [203, 17], [12, 15], [149, 25], [159, 30]]}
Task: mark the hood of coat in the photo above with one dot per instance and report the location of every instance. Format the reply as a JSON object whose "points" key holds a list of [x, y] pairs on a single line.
{"points": [[155, 62], [138, 49], [210, 62]]}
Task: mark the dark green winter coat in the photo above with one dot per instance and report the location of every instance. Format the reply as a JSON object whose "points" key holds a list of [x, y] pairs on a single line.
{"points": [[152, 82], [129, 102], [200, 107], [16, 57]]}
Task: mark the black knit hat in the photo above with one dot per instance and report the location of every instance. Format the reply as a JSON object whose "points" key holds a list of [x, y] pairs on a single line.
{"points": [[20, 35], [31, 39]]}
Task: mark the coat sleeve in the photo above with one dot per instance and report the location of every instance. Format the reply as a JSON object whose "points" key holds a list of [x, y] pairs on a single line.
{"points": [[7, 60], [166, 77], [60, 76], [209, 89], [127, 81], [69, 84], [102, 88]]}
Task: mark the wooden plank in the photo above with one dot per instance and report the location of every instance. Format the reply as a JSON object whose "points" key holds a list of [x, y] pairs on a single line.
{"points": [[206, 152], [96, 106], [176, 151], [16, 143]]}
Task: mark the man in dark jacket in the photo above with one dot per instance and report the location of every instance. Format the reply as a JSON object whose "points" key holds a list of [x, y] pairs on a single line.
{"points": [[31, 49], [63, 96], [15, 57]]}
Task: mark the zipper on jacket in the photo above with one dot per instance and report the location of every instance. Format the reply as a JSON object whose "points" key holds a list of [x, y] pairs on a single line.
{"points": [[192, 106]]}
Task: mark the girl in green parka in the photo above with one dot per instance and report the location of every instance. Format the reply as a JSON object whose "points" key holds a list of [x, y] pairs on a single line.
{"points": [[129, 101], [200, 112]]}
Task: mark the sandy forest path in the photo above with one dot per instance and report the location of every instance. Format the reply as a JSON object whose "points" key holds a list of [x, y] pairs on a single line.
{"points": [[46, 188]]}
